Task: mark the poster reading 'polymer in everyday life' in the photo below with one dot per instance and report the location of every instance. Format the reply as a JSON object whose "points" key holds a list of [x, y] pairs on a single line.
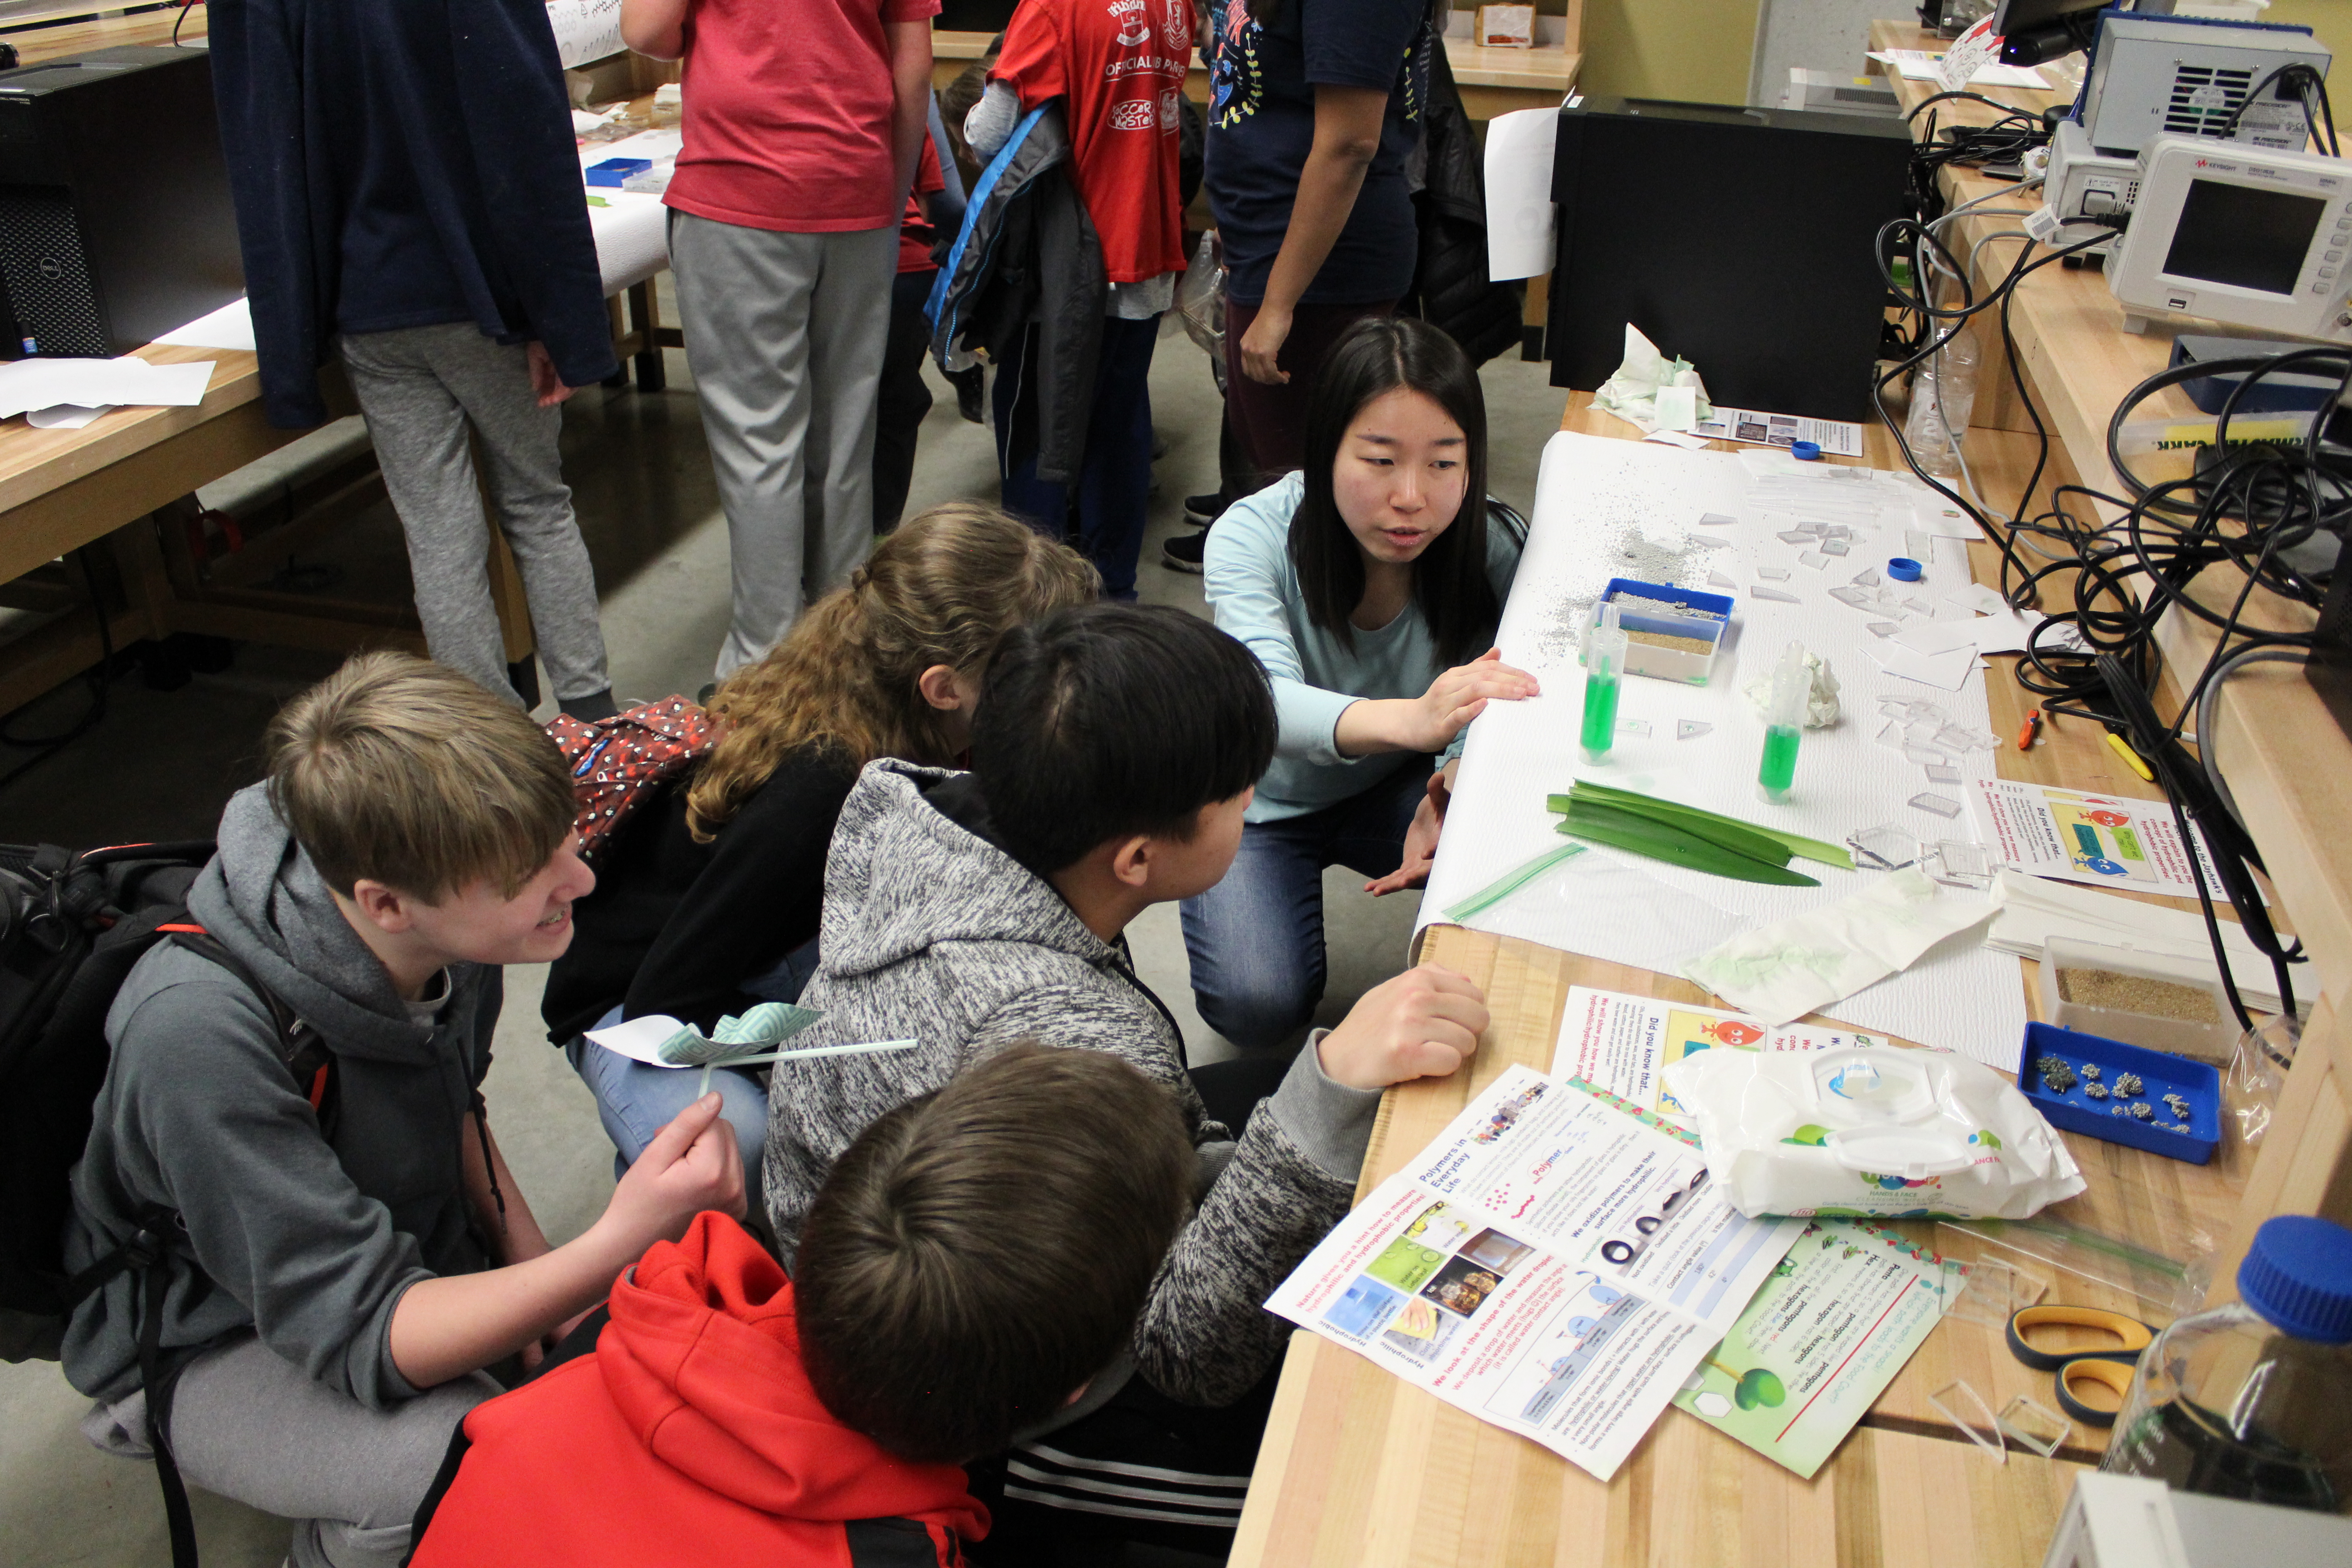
{"points": [[1555, 1262]]}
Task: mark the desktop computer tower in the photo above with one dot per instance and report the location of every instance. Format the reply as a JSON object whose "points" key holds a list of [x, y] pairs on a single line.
{"points": [[115, 219], [1741, 239]]}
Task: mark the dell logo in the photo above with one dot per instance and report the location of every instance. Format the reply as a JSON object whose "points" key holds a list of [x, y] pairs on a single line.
{"points": [[50, 270]]}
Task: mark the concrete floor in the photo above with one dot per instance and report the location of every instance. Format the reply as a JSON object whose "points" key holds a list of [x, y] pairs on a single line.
{"points": [[159, 765]]}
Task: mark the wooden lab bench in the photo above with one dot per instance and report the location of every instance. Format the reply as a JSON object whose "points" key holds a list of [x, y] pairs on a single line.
{"points": [[1360, 1468]]}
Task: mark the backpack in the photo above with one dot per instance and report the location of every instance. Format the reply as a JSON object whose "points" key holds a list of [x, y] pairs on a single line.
{"points": [[71, 927], [618, 763]]}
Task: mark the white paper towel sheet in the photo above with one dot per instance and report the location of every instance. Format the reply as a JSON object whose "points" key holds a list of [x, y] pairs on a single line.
{"points": [[1628, 509], [1519, 214]]}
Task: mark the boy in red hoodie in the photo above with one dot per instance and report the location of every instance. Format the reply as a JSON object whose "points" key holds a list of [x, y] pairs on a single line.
{"points": [[972, 1260]]}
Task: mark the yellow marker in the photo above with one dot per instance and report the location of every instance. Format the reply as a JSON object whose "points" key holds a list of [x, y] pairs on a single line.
{"points": [[2131, 758]]}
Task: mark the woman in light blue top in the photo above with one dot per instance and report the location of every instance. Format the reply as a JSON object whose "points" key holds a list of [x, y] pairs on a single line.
{"points": [[1368, 588]]}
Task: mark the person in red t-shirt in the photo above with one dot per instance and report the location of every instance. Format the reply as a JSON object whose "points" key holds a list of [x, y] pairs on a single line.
{"points": [[1118, 66], [904, 398], [804, 122]]}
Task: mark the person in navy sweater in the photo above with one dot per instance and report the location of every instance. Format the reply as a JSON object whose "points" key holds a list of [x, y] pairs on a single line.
{"points": [[408, 199]]}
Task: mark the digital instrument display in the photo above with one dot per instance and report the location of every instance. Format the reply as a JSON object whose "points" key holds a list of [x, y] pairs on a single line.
{"points": [[2244, 237]]}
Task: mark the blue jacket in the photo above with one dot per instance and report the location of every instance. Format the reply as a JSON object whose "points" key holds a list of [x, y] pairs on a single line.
{"points": [[403, 164], [1028, 255]]}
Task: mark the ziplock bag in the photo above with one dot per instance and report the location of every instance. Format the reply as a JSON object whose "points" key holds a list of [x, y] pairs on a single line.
{"points": [[1882, 1132]]}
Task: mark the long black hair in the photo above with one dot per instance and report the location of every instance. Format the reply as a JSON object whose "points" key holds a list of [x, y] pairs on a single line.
{"points": [[1450, 586]]}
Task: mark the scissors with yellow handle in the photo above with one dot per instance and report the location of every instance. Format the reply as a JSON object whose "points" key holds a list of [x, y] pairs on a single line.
{"points": [[2092, 1382]]}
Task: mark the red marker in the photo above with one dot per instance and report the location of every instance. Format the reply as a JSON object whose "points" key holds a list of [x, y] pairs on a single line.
{"points": [[2033, 727]]}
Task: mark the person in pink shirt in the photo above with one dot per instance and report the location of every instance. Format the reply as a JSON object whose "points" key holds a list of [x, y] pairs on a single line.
{"points": [[804, 122]]}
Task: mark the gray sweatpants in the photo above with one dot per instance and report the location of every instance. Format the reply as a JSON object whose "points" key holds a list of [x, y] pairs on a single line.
{"points": [[249, 1424], [420, 388], [785, 334]]}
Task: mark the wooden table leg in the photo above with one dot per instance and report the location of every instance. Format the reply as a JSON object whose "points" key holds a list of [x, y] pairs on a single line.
{"points": [[645, 317], [1533, 320], [514, 616]]}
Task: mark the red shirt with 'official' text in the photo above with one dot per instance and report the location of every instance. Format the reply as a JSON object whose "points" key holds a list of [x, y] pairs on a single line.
{"points": [[1119, 66]]}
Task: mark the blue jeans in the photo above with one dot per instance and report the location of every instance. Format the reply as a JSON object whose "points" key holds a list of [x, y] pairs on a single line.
{"points": [[1255, 940], [636, 1102], [1114, 485]]}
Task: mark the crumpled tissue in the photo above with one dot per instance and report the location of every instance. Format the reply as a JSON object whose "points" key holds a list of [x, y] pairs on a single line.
{"points": [[1783, 971], [1820, 701], [1652, 392]]}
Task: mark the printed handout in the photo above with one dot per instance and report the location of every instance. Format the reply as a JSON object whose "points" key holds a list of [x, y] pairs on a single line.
{"points": [[2103, 841], [1838, 438], [1625, 1044], [1841, 1313], [1555, 1262]]}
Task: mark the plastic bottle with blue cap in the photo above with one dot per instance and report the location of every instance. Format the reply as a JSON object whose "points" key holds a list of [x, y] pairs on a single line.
{"points": [[2254, 1400]]}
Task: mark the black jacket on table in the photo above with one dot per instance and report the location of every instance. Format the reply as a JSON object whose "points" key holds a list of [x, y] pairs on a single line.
{"points": [[675, 927], [403, 166]]}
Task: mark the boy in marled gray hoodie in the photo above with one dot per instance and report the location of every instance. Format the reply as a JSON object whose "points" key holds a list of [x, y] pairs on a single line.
{"points": [[1113, 754]]}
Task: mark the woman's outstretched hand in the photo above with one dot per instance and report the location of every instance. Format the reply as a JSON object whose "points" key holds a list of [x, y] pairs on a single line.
{"points": [[1461, 694]]}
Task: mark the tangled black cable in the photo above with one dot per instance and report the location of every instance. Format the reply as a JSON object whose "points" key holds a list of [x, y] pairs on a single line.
{"points": [[2014, 133], [1920, 298], [2249, 505]]}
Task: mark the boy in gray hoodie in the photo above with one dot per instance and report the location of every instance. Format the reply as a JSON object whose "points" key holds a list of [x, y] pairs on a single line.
{"points": [[1113, 751], [346, 1253]]}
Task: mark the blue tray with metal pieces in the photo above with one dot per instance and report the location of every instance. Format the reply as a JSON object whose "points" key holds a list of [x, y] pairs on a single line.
{"points": [[2199, 1085]]}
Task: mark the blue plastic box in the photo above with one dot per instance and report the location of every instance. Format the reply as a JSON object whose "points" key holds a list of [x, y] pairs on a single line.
{"points": [[1704, 617], [614, 171], [2199, 1083]]}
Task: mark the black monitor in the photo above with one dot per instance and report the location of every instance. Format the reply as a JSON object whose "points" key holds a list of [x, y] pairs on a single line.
{"points": [[1741, 239], [2033, 31]]}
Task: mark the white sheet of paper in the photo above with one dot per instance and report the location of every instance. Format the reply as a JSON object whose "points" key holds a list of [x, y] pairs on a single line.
{"points": [[1932, 637], [31, 383], [1518, 193], [2003, 633], [1920, 65], [1687, 442], [64, 416], [1939, 519], [640, 1039], [585, 29], [1945, 671], [230, 327]]}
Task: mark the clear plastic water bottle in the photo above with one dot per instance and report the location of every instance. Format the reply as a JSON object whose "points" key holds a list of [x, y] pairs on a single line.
{"points": [[1943, 398], [2254, 1400]]}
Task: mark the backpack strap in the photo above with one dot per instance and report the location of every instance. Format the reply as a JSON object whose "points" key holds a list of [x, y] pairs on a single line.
{"points": [[304, 1052], [300, 1047]]}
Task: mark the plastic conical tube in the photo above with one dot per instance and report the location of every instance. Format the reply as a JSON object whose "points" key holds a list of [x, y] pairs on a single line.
{"points": [[1784, 725], [1604, 664]]}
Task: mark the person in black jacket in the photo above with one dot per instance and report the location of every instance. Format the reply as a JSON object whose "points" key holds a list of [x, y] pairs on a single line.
{"points": [[707, 898], [408, 198]]}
